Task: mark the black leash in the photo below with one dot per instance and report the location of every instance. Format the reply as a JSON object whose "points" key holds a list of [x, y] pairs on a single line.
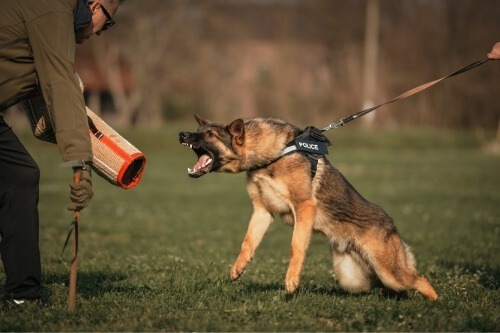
{"points": [[413, 91], [313, 144], [72, 228]]}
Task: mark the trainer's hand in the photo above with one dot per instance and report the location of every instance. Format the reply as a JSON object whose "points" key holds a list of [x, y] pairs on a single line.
{"points": [[81, 193], [495, 52]]}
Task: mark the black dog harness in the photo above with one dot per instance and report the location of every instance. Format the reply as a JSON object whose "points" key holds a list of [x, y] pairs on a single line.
{"points": [[311, 143]]}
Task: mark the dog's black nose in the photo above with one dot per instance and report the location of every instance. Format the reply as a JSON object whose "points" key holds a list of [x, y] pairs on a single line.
{"points": [[183, 136]]}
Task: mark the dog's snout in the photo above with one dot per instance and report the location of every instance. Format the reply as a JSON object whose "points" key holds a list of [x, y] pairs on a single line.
{"points": [[183, 135]]}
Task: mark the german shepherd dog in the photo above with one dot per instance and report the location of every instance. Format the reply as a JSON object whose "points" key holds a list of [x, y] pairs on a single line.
{"points": [[365, 245]]}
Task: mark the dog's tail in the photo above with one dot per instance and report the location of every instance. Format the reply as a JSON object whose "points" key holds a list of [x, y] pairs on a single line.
{"points": [[410, 258]]}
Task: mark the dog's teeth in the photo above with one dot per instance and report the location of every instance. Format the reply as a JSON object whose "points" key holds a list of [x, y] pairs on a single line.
{"points": [[191, 146], [207, 162]]}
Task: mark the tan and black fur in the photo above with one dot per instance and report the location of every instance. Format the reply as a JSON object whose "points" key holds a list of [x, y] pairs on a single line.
{"points": [[366, 248]]}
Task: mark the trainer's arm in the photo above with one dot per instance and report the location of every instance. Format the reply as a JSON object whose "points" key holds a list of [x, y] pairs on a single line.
{"points": [[52, 40]]}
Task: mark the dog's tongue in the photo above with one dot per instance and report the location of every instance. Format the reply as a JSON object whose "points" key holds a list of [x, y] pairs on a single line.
{"points": [[202, 161], [201, 167]]}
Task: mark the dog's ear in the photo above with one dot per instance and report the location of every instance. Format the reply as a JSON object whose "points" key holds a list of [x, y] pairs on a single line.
{"points": [[237, 130], [200, 120]]}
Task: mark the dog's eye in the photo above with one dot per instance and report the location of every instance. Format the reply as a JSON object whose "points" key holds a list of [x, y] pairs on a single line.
{"points": [[210, 134]]}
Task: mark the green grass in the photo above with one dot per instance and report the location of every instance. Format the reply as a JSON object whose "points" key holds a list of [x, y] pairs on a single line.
{"points": [[157, 257]]}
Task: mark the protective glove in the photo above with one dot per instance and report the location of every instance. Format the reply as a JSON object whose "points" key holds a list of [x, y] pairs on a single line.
{"points": [[81, 193]]}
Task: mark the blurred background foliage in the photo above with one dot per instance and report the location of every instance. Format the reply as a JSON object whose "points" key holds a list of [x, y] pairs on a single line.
{"points": [[301, 60]]}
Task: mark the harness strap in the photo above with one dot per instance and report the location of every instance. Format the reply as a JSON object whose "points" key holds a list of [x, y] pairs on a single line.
{"points": [[312, 144], [289, 149]]}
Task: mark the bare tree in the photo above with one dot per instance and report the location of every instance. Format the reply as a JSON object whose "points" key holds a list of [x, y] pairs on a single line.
{"points": [[314, 60], [370, 64]]}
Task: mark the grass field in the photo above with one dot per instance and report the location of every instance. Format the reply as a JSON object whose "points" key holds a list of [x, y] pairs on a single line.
{"points": [[157, 257]]}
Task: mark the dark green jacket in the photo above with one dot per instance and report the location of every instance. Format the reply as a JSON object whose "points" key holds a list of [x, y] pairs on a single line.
{"points": [[37, 46]]}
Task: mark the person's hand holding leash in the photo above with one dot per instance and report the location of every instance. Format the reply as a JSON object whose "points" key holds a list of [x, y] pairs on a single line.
{"points": [[81, 189], [495, 52]]}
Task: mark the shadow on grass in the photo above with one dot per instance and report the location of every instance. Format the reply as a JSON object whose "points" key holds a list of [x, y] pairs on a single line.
{"points": [[334, 291], [96, 283]]}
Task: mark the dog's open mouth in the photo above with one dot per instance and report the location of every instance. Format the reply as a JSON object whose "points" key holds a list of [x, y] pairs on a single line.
{"points": [[204, 163]]}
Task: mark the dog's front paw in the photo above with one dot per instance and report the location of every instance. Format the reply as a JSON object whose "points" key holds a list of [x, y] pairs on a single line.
{"points": [[236, 273], [291, 285], [239, 266]]}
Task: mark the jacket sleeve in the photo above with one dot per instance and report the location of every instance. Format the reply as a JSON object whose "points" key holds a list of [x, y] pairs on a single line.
{"points": [[52, 40]]}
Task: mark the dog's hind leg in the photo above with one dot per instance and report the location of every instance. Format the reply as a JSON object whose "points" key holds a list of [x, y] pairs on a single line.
{"points": [[352, 271], [394, 264], [302, 231], [257, 227]]}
